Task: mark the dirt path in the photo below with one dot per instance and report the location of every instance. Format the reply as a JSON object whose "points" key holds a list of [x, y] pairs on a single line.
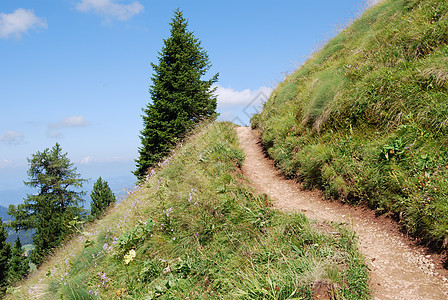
{"points": [[399, 269]]}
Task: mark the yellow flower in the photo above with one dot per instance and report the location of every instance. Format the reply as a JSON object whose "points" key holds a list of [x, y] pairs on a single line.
{"points": [[129, 257]]}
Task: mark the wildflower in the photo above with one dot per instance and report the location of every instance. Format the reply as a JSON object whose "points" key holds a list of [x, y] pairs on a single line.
{"points": [[129, 257], [168, 211]]}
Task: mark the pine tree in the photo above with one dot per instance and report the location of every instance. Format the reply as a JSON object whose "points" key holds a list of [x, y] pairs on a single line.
{"points": [[102, 196], [54, 206], [18, 264], [180, 98], [5, 254]]}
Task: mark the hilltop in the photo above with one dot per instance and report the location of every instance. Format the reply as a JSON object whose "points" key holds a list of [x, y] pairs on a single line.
{"points": [[365, 119], [196, 228]]}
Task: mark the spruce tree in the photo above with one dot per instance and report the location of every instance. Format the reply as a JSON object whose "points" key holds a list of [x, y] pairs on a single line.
{"points": [[5, 254], [180, 98], [56, 203], [18, 264], [102, 196]]}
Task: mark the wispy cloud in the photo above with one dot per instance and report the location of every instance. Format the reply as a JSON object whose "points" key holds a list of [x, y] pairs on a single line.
{"points": [[86, 160], [371, 3], [110, 9], [4, 163], [54, 129], [12, 137], [229, 96], [19, 22]]}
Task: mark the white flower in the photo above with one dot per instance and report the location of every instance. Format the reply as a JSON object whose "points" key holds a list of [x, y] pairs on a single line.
{"points": [[129, 257]]}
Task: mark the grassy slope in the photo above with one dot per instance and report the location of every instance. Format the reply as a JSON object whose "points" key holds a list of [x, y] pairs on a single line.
{"points": [[366, 118], [196, 229]]}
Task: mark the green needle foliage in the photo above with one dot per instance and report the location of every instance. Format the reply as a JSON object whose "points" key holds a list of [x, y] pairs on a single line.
{"points": [[180, 98], [56, 203], [5, 254], [102, 196], [18, 264]]}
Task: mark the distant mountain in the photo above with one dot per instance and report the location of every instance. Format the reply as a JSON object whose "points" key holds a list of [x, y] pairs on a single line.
{"points": [[4, 213], [118, 184], [25, 236], [14, 196]]}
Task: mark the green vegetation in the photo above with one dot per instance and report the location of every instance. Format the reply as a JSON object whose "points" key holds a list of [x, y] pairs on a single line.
{"points": [[5, 256], [180, 98], [14, 265], [18, 264], [55, 205], [195, 228], [102, 196], [366, 118]]}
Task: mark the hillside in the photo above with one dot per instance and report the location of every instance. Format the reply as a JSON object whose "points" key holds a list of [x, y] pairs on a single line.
{"points": [[196, 229], [365, 119]]}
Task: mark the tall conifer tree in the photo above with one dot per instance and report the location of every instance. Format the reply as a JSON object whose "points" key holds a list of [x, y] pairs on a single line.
{"points": [[102, 196], [5, 254], [180, 98], [54, 206], [18, 264]]}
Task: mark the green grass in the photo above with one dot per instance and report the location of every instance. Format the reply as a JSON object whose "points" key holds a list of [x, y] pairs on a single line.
{"points": [[365, 119], [196, 229]]}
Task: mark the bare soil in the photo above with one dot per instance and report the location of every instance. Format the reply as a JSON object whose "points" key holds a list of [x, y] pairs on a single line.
{"points": [[400, 269]]}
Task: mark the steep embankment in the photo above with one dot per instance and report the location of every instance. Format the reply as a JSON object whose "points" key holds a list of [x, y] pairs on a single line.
{"points": [[366, 118], [399, 269], [196, 229]]}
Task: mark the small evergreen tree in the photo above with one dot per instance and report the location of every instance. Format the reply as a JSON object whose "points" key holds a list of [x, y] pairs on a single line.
{"points": [[18, 264], [5, 254], [102, 196], [180, 98], [50, 211]]}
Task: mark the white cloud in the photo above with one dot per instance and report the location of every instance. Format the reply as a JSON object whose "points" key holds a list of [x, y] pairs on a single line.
{"points": [[5, 163], [229, 96], [372, 3], [239, 106], [74, 121], [86, 160], [104, 160], [11, 137], [19, 22], [53, 130], [111, 9]]}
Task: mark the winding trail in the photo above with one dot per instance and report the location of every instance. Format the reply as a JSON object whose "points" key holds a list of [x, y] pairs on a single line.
{"points": [[399, 268]]}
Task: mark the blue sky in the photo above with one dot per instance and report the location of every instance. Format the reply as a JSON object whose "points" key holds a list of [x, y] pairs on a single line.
{"points": [[77, 72]]}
